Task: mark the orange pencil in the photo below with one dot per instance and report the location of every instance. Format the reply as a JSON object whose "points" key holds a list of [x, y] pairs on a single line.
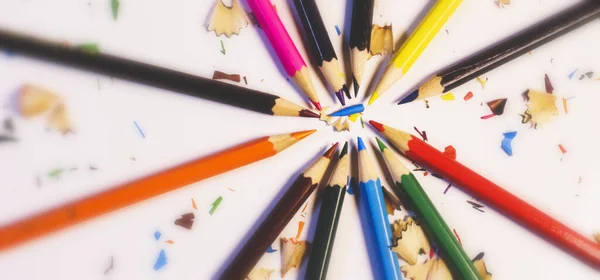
{"points": [[139, 190]]}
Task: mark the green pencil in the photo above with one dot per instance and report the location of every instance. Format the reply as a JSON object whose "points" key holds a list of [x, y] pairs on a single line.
{"points": [[329, 216], [408, 188]]}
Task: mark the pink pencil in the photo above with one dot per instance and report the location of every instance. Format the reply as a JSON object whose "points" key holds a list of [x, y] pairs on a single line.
{"points": [[288, 54]]}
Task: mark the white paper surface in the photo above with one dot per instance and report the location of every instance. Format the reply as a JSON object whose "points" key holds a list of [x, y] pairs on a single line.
{"points": [[178, 128]]}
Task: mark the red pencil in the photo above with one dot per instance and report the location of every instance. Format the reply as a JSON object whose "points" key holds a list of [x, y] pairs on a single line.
{"points": [[493, 195]]}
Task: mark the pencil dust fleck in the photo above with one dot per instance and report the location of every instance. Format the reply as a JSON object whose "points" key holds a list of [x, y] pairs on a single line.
{"points": [[450, 152], [506, 143], [223, 51], [337, 29], [194, 204], [215, 204], [218, 75], [548, 84], [157, 235], [186, 220], [271, 250], [8, 125], [476, 206], [161, 260], [114, 6], [422, 134], [55, 173], [482, 81], [497, 106], [573, 73], [468, 96], [562, 149]]}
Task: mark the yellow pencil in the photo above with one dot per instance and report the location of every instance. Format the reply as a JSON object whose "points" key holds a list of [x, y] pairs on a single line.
{"points": [[406, 56]]}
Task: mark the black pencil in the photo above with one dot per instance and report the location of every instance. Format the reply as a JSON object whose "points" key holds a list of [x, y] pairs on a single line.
{"points": [[156, 76], [360, 38], [506, 50], [256, 245], [329, 216], [322, 50]]}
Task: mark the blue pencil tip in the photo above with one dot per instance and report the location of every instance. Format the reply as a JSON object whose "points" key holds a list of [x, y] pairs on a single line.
{"points": [[409, 98], [361, 144]]}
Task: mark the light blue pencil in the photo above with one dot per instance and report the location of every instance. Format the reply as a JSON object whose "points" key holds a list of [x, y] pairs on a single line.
{"points": [[371, 198]]}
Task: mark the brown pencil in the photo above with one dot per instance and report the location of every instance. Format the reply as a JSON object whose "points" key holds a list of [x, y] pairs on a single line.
{"points": [[255, 246]]}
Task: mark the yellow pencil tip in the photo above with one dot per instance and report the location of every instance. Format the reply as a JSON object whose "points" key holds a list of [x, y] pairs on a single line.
{"points": [[374, 97], [303, 134]]}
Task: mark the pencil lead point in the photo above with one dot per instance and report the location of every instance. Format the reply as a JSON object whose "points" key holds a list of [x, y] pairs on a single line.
{"points": [[344, 150], [409, 98], [374, 97], [309, 114], [340, 96], [317, 105], [356, 86], [377, 126], [329, 153], [380, 144], [299, 135], [347, 91], [360, 144]]}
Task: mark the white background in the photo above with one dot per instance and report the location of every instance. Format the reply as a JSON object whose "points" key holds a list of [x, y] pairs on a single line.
{"points": [[179, 128]]}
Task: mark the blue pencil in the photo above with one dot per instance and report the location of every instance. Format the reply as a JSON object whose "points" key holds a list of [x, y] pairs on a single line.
{"points": [[350, 110], [372, 201]]}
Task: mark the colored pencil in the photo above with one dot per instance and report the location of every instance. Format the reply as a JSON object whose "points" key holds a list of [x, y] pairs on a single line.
{"points": [[145, 188], [256, 245], [493, 195], [156, 76], [408, 188], [506, 50], [329, 216], [321, 48], [360, 39], [412, 48], [284, 47], [350, 110], [371, 198]]}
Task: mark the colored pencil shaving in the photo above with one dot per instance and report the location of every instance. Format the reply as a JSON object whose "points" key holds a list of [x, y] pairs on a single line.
{"points": [[284, 47], [360, 39], [410, 239], [493, 195], [34, 100], [292, 254], [90, 207], [382, 36], [332, 202], [321, 49], [227, 21], [416, 43], [260, 274], [506, 50], [541, 107], [267, 232], [164, 78]]}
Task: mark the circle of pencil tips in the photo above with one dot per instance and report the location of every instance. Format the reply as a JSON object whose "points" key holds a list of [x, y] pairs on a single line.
{"points": [[409, 240], [292, 253], [227, 20]]}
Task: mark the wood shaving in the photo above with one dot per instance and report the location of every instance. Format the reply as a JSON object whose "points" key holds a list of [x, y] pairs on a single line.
{"points": [[480, 266], [382, 40], [59, 120], [34, 100], [503, 3], [260, 274], [325, 115], [541, 107], [433, 269], [227, 20], [438, 270], [409, 239], [292, 253], [417, 271], [342, 124]]}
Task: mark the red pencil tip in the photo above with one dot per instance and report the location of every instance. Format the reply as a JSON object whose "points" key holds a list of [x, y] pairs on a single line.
{"points": [[377, 126], [317, 105]]}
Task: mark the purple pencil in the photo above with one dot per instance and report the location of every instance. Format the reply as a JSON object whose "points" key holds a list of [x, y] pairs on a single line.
{"points": [[284, 47]]}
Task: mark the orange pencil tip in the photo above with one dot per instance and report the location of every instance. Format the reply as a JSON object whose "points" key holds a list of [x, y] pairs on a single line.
{"points": [[331, 151], [377, 125], [303, 134]]}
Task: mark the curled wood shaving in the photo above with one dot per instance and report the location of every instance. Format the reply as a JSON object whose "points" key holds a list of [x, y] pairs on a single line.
{"points": [[325, 115], [342, 124], [34, 101], [260, 274], [382, 40], [503, 3], [227, 20], [480, 266], [292, 253], [409, 239], [541, 107]]}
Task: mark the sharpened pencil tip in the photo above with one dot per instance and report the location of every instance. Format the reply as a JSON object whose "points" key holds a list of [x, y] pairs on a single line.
{"points": [[377, 126], [356, 86], [340, 96], [360, 144], [331, 151], [410, 98], [380, 144], [309, 114], [299, 135], [317, 105], [374, 97], [347, 91], [344, 150]]}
